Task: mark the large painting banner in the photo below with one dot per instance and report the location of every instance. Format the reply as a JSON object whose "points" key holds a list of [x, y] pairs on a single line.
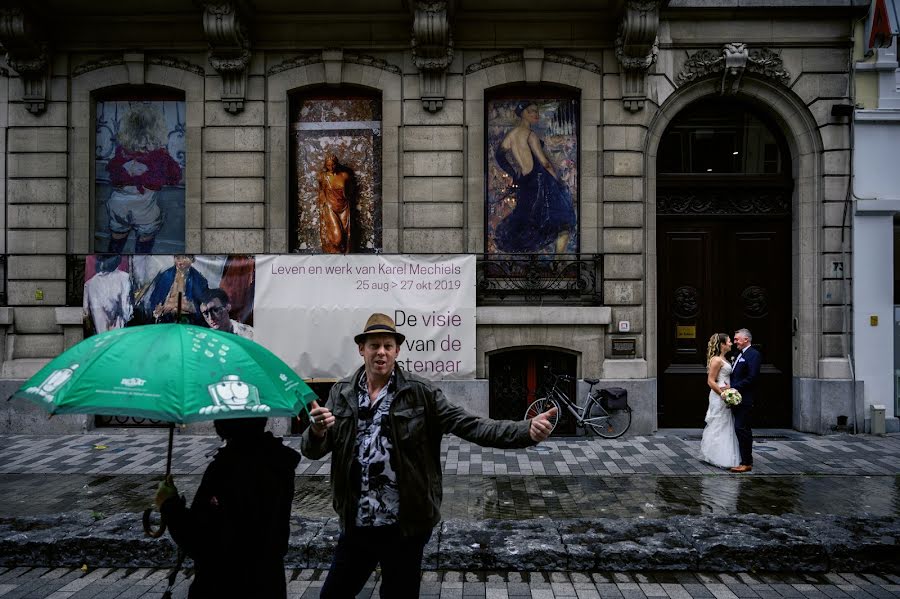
{"points": [[307, 310], [139, 163]]}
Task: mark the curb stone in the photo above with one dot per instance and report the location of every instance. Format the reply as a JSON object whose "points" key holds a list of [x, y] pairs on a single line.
{"points": [[740, 543]]}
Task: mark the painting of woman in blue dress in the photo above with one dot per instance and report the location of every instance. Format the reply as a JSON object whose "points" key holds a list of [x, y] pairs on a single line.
{"points": [[532, 189]]}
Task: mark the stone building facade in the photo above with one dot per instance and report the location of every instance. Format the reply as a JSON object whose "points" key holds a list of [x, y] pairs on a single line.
{"points": [[637, 68]]}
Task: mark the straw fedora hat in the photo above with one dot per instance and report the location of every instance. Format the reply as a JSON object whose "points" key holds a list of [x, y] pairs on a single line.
{"points": [[379, 324]]}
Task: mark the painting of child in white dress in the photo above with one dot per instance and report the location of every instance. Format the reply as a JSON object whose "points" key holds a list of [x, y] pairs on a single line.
{"points": [[107, 293], [139, 176]]}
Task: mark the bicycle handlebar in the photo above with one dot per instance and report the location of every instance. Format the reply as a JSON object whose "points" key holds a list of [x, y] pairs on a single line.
{"points": [[559, 377]]}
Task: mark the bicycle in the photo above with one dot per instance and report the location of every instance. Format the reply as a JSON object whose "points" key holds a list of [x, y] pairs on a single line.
{"points": [[605, 411]]}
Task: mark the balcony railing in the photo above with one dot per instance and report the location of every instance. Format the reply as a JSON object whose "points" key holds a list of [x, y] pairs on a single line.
{"points": [[529, 279]]}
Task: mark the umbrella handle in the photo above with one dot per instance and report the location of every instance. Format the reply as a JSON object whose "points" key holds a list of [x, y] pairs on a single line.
{"points": [[148, 528]]}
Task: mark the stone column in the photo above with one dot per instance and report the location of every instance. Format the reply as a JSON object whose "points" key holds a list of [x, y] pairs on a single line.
{"points": [[625, 267], [432, 143], [234, 167]]}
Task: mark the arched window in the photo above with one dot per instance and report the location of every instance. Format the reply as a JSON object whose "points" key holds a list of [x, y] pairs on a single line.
{"points": [[532, 171], [718, 139], [518, 377], [139, 165], [335, 188]]}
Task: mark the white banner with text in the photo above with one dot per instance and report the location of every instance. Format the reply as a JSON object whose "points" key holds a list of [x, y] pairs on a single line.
{"points": [[307, 309]]}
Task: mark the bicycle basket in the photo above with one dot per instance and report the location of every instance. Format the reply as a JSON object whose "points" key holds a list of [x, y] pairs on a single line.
{"points": [[614, 398]]}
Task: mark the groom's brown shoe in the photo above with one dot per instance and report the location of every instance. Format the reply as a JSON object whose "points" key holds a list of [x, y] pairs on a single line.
{"points": [[742, 468]]}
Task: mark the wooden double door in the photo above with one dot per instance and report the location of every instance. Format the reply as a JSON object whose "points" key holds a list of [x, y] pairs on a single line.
{"points": [[719, 274]]}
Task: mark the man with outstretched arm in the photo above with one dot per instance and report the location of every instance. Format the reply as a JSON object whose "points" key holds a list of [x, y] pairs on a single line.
{"points": [[383, 427]]}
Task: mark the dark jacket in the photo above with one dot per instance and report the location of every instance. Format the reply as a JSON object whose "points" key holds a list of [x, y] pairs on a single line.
{"points": [[238, 525], [419, 416], [745, 375]]}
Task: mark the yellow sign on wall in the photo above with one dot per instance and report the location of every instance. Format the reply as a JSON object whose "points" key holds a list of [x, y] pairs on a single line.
{"points": [[686, 332]]}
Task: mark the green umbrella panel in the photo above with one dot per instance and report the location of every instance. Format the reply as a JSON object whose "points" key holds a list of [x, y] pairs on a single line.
{"points": [[176, 373]]}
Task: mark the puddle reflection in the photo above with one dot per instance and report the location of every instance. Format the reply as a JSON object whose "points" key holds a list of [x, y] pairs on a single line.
{"points": [[516, 497]]}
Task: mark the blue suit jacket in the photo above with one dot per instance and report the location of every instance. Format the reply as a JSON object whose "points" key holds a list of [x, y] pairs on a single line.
{"points": [[745, 375], [195, 286]]}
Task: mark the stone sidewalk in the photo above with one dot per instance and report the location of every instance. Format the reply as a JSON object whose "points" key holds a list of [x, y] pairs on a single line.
{"points": [[669, 453], [687, 527], [106, 583]]}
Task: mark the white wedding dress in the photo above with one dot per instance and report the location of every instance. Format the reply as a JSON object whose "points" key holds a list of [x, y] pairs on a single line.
{"points": [[719, 445]]}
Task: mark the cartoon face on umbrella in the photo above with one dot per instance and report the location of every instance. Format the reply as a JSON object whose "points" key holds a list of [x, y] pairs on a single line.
{"points": [[231, 393]]}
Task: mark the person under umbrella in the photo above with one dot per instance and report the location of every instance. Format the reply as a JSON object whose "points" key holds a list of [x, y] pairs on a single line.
{"points": [[237, 527]]}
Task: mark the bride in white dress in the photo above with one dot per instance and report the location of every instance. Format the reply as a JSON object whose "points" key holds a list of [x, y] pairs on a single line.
{"points": [[719, 445]]}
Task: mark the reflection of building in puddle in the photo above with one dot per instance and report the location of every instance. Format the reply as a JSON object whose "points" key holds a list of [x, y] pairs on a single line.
{"points": [[719, 494], [850, 495]]}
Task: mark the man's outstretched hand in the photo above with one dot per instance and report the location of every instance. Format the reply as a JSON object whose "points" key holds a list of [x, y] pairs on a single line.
{"points": [[320, 419], [541, 426]]}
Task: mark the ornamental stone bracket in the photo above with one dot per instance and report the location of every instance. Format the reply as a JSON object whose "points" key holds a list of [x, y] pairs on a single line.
{"points": [[637, 47], [229, 49], [732, 61], [28, 55], [432, 50]]}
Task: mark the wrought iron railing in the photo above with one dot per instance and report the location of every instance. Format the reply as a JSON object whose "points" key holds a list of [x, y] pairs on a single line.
{"points": [[528, 279], [128, 422]]}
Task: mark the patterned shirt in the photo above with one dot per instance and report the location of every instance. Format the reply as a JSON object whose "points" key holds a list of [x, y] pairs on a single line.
{"points": [[379, 499]]}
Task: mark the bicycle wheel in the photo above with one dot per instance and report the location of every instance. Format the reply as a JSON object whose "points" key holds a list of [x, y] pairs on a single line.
{"points": [[607, 424], [539, 406]]}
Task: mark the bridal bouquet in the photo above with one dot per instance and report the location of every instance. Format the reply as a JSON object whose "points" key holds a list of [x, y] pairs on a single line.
{"points": [[731, 397]]}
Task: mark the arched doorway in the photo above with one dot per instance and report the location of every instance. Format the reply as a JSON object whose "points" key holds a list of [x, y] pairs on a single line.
{"points": [[723, 204], [518, 377]]}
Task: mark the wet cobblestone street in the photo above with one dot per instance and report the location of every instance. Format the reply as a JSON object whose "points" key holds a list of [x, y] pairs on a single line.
{"points": [[479, 497], [103, 479], [119, 583]]}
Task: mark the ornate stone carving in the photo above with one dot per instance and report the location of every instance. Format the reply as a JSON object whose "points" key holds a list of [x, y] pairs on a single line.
{"points": [[636, 49], [27, 53], [432, 50], [229, 50], [371, 61], [294, 62], [177, 63], [735, 62], [574, 62], [492, 61], [732, 61], [108, 60], [724, 202]]}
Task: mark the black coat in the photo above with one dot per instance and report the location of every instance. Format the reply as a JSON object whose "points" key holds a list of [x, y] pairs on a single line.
{"points": [[238, 525], [745, 376], [419, 417]]}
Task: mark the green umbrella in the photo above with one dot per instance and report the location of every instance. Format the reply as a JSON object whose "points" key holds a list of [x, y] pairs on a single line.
{"points": [[177, 373]]}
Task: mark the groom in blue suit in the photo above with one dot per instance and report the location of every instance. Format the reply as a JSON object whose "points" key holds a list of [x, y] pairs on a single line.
{"points": [[745, 378]]}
